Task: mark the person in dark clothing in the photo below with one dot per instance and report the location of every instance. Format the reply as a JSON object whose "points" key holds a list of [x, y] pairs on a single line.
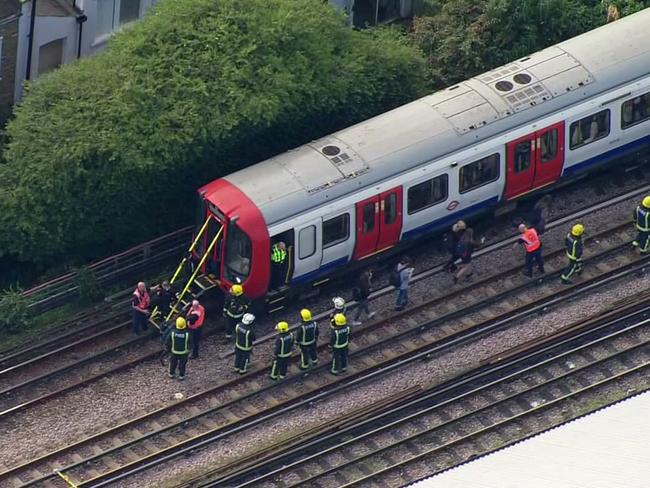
{"points": [[533, 247], [178, 345], [361, 294], [453, 238], [307, 339], [464, 251], [339, 342], [539, 214], [234, 308], [164, 297], [282, 351], [339, 307], [573, 245], [195, 319], [140, 304], [244, 338]]}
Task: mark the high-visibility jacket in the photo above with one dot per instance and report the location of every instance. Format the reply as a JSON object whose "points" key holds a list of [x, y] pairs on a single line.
{"points": [[143, 299], [199, 311], [340, 337], [244, 337], [283, 345], [642, 219], [278, 255], [235, 307], [573, 246], [531, 240], [307, 333], [180, 340]]}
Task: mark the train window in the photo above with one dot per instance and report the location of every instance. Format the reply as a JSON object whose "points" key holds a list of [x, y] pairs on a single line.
{"points": [[336, 230], [390, 209], [635, 111], [548, 145], [307, 242], [589, 129], [238, 254], [427, 193], [479, 173], [522, 156], [368, 217]]}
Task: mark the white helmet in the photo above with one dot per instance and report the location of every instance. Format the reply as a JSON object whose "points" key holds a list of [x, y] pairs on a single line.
{"points": [[339, 303], [248, 318]]}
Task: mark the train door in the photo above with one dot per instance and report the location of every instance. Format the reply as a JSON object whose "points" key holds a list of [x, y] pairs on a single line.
{"points": [[379, 222], [534, 160]]}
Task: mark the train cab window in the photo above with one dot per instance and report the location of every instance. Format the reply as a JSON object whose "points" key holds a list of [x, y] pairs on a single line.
{"points": [[635, 111], [390, 209], [307, 242], [522, 156], [239, 252], [589, 129], [427, 193], [548, 145], [336, 230], [368, 217], [479, 173]]}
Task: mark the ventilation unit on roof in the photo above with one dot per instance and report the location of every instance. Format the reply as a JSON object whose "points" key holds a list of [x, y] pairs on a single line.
{"points": [[331, 150]]}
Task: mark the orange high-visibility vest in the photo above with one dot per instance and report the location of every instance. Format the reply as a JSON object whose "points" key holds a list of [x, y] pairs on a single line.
{"points": [[199, 311], [531, 240], [143, 299]]}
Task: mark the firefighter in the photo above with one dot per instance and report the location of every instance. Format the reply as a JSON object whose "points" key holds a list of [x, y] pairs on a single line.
{"points": [[339, 341], [533, 246], [282, 353], [573, 244], [307, 339], [339, 307], [642, 222], [140, 305], [278, 265], [195, 319], [244, 338], [178, 345], [234, 308]]}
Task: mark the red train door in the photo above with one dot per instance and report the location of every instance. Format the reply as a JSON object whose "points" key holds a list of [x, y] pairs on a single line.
{"points": [[379, 222], [534, 160]]}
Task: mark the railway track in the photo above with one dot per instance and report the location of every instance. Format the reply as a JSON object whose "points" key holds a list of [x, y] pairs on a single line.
{"points": [[498, 404], [233, 406], [50, 369]]}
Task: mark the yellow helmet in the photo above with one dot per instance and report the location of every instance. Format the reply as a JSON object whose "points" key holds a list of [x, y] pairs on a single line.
{"points": [[339, 319], [282, 327], [236, 290], [577, 230], [646, 202], [180, 323], [305, 314]]}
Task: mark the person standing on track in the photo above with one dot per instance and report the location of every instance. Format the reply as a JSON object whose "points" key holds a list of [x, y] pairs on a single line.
{"points": [[339, 307], [140, 305], [307, 339], [282, 352], [163, 298], [539, 214], [178, 345], [405, 272], [339, 342], [195, 319], [234, 308], [457, 231], [573, 244], [642, 223], [244, 338], [361, 294], [464, 251], [533, 246]]}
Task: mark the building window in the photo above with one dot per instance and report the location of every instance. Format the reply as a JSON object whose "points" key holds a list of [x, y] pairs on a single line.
{"points": [[479, 173], [50, 56], [336, 230], [589, 129], [113, 13], [635, 111], [427, 193], [307, 239]]}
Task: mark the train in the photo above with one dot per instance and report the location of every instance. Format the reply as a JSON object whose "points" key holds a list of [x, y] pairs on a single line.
{"points": [[484, 144]]}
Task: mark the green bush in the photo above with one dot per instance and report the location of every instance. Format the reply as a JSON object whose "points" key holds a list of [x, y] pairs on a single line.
{"points": [[108, 151], [88, 288], [14, 311]]}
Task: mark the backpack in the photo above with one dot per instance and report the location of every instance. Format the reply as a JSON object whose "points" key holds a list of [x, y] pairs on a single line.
{"points": [[395, 278]]}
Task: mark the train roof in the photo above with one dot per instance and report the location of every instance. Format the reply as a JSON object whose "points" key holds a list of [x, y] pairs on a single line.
{"points": [[448, 120]]}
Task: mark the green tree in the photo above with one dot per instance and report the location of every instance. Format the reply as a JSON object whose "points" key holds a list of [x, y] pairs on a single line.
{"points": [[109, 151]]}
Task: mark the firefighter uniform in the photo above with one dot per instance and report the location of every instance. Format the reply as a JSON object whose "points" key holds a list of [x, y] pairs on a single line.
{"points": [[234, 308], [339, 341], [642, 223], [282, 353], [307, 339], [244, 337], [339, 307], [573, 245], [179, 346]]}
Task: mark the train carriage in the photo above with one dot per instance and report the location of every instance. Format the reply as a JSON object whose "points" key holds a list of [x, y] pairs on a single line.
{"points": [[485, 142]]}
